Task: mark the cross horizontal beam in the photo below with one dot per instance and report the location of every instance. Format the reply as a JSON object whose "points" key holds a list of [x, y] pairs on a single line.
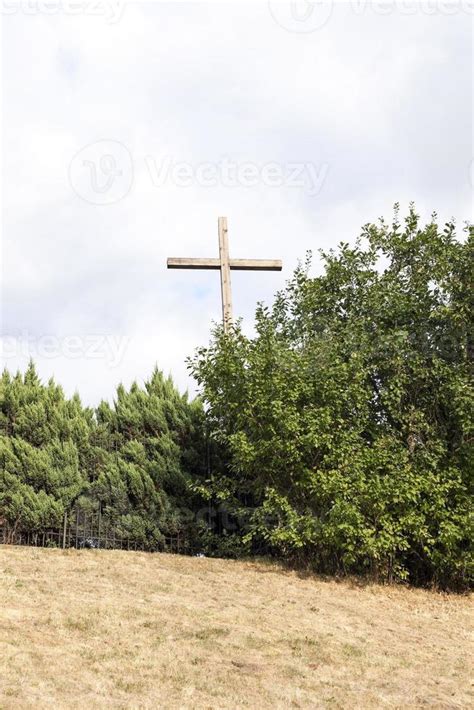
{"points": [[235, 264]]}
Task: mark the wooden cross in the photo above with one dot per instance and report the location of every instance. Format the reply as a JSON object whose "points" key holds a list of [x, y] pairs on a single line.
{"points": [[225, 265]]}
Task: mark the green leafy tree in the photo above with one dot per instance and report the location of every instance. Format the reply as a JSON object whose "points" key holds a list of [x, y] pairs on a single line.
{"points": [[348, 418]]}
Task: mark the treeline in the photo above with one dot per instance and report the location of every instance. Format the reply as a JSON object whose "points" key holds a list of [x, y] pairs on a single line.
{"points": [[133, 461], [339, 437]]}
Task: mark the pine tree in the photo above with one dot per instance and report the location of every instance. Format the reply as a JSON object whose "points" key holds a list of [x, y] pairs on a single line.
{"points": [[154, 448], [131, 462], [42, 439]]}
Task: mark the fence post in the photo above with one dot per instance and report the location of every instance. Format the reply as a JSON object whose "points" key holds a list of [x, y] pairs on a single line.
{"points": [[64, 530]]}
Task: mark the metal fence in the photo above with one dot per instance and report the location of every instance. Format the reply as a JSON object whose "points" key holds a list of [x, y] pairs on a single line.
{"points": [[82, 530]]}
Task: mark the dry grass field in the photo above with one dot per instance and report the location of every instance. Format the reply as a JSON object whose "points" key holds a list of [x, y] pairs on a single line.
{"points": [[97, 629]]}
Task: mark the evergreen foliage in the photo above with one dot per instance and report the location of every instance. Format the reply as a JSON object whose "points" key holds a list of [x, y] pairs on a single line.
{"points": [[131, 460], [43, 444], [150, 448]]}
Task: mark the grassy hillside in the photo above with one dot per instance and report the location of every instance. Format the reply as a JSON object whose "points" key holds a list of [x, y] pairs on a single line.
{"points": [[133, 630]]}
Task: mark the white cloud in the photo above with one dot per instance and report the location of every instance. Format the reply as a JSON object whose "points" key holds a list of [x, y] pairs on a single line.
{"points": [[384, 101]]}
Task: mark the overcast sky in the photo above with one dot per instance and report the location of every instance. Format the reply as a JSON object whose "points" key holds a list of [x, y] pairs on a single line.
{"points": [[128, 129]]}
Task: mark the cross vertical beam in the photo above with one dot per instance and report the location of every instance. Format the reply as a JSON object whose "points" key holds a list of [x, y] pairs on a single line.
{"points": [[225, 273]]}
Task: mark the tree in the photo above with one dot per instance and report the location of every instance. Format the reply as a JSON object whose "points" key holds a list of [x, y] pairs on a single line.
{"points": [[348, 418], [153, 444], [43, 438], [132, 462]]}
